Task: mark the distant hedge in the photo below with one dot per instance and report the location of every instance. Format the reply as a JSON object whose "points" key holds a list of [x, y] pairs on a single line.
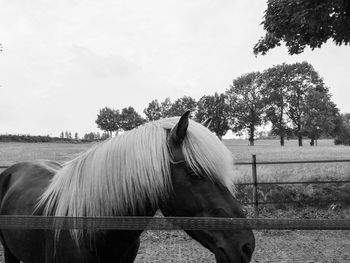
{"points": [[342, 141], [30, 138]]}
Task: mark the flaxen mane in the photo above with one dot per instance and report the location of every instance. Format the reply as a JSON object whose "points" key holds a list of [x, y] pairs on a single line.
{"points": [[116, 177]]}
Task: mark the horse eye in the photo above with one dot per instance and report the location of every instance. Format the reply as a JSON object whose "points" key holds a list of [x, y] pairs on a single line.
{"points": [[192, 173]]}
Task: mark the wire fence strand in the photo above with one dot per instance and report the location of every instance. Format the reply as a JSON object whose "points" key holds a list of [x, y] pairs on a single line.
{"points": [[167, 223]]}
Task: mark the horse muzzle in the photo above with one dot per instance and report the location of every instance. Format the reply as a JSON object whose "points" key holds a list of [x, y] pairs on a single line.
{"points": [[227, 255]]}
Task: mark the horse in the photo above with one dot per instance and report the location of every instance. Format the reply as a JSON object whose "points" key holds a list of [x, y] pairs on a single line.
{"points": [[174, 165]]}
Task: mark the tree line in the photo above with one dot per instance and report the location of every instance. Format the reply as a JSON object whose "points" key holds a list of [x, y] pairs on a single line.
{"points": [[91, 136], [291, 98]]}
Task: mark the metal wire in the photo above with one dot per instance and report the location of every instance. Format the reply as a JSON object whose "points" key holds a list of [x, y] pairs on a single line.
{"points": [[295, 162], [168, 223], [302, 182]]}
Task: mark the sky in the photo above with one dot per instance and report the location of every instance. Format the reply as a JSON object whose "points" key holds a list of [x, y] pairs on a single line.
{"points": [[62, 61]]}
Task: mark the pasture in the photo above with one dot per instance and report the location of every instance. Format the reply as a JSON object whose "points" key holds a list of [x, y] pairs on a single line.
{"points": [[175, 246], [270, 150], [265, 150], [13, 152]]}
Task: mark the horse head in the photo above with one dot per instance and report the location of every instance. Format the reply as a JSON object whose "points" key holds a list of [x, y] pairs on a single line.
{"points": [[195, 194]]}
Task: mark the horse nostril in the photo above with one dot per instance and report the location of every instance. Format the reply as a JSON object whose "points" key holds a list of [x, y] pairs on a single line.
{"points": [[247, 250]]}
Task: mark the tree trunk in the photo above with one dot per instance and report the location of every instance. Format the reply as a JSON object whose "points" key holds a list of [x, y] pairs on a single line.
{"points": [[300, 139], [282, 140], [312, 142], [316, 138], [251, 136]]}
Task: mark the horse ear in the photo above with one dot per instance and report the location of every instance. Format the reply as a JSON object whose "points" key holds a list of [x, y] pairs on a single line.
{"points": [[178, 133], [207, 122]]}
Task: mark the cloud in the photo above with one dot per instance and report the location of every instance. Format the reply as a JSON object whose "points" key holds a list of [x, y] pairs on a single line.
{"points": [[101, 66], [64, 60]]}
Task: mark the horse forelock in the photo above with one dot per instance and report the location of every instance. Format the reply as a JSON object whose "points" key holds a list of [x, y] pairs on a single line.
{"points": [[207, 155], [120, 176]]}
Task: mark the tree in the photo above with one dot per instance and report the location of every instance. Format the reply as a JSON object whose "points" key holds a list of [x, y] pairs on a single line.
{"points": [[247, 103], [302, 80], [108, 120], [297, 98], [104, 136], [89, 136], [62, 135], [153, 111], [130, 119], [342, 129], [214, 107], [165, 108], [276, 82], [301, 23], [68, 135], [96, 136], [181, 105], [76, 136], [320, 119]]}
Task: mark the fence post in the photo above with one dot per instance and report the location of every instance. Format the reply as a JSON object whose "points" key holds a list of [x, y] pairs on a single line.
{"points": [[255, 186]]}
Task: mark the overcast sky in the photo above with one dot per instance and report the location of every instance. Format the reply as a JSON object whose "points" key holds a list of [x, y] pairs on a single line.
{"points": [[64, 60]]}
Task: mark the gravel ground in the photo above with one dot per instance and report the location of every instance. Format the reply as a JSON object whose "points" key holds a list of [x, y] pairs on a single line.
{"points": [[272, 246]]}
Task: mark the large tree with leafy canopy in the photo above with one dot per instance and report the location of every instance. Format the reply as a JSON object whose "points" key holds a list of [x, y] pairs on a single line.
{"points": [[214, 107], [342, 129], [298, 99], [153, 111], [157, 110], [108, 120], [130, 119], [165, 108], [181, 105], [276, 83], [301, 23], [247, 104], [320, 118], [302, 80]]}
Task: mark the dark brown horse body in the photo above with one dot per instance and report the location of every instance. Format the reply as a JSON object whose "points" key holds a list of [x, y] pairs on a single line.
{"points": [[21, 187], [22, 184]]}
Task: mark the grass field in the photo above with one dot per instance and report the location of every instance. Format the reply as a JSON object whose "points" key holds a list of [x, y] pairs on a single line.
{"points": [[11, 153], [265, 150], [269, 150]]}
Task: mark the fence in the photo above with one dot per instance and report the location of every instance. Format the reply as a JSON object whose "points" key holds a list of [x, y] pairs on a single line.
{"points": [[255, 202], [167, 223]]}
